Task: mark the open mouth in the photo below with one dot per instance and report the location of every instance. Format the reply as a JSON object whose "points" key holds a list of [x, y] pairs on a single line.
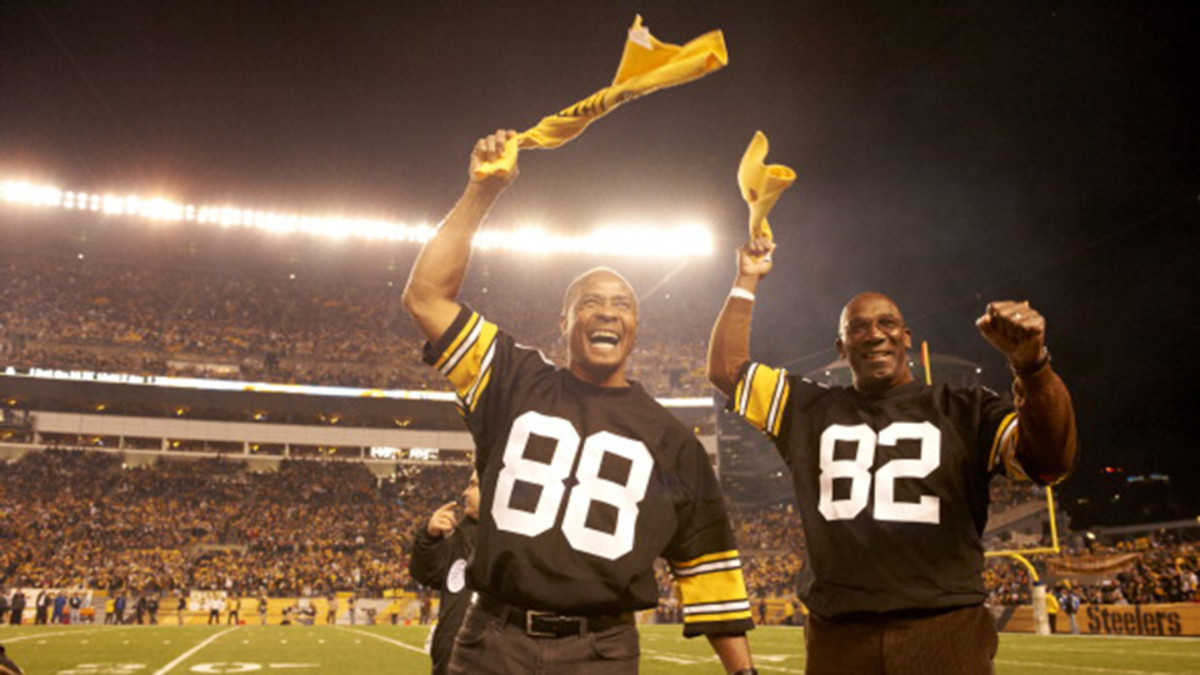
{"points": [[604, 338], [877, 355]]}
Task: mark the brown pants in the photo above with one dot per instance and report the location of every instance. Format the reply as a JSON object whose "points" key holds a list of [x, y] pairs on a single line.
{"points": [[487, 644], [961, 641]]}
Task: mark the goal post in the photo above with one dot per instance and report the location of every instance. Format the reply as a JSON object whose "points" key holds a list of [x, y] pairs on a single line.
{"points": [[1041, 618]]}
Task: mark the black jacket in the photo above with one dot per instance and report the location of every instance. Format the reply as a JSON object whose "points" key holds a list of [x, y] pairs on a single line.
{"points": [[442, 564]]}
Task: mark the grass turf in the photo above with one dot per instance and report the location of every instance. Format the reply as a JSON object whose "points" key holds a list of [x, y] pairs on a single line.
{"points": [[157, 650]]}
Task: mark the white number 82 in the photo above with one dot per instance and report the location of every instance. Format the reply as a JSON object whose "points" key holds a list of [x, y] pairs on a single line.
{"points": [[858, 470]]}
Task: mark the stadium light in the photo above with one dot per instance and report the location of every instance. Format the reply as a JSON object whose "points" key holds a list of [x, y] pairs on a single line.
{"points": [[205, 384], [649, 240]]}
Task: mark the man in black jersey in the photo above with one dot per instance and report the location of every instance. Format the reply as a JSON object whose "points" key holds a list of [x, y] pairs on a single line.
{"points": [[585, 480], [441, 550], [891, 476]]}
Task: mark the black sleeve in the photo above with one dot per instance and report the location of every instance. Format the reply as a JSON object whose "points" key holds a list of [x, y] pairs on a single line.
{"points": [[703, 553], [430, 561]]}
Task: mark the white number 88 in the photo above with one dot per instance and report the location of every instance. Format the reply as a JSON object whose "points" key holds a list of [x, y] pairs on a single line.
{"points": [[591, 487]]}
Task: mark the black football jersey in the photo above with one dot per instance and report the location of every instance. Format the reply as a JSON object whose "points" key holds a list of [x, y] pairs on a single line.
{"points": [[892, 487], [583, 487]]}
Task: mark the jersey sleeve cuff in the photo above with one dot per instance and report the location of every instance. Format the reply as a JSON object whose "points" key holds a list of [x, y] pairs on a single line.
{"points": [[731, 401], [430, 353], [726, 627]]}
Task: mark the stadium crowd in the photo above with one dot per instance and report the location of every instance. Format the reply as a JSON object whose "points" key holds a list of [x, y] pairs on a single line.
{"points": [[70, 519], [157, 320], [1160, 568], [84, 520], [81, 519], [78, 519]]}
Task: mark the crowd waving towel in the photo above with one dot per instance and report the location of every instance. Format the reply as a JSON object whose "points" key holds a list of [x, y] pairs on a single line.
{"points": [[647, 65], [761, 184]]}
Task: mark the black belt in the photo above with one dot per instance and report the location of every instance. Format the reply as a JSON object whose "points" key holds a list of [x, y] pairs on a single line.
{"points": [[896, 614], [551, 624]]}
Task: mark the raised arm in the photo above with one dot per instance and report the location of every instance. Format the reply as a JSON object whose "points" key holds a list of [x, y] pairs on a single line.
{"points": [[729, 346], [431, 295], [1046, 443]]}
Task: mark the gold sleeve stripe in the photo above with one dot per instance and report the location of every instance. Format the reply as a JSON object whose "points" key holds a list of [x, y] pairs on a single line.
{"points": [[678, 565], [1004, 445], [468, 365], [715, 588], [782, 391], [712, 587], [1012, 465], [453, 352], [1002, 432], [711, 566], [712, 618], [485, 375], [1005, 449], [717, 608], [761, 397], [740, 398], [483, 384]]}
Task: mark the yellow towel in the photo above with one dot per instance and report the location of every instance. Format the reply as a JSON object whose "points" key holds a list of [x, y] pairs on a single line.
{"points": [[761, 184], [647, 65]]}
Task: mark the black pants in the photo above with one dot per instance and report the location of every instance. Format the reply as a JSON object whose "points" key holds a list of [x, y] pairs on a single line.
{"points": [[488, 644]]}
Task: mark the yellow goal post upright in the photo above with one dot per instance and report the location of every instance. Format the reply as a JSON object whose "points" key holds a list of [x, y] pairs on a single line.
{"points": [[1041, 618]]}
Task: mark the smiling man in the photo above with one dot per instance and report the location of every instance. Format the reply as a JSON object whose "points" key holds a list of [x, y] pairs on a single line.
{"points": [[891, 476], [585, 479], [599, 320]]}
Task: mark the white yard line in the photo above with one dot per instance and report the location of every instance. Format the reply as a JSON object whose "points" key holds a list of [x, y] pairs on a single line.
{"points": [[380, 637], [689, 660], [678, 659], [1095, 650], [167, 668], [1088, 669], [65, 632], [1018, 637]]}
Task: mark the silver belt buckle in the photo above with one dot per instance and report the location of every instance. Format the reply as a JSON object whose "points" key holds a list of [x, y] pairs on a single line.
{"points": [[529, 616]]}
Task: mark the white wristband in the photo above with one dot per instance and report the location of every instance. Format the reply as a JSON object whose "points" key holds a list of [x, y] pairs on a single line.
{"points": [[739, 292]]}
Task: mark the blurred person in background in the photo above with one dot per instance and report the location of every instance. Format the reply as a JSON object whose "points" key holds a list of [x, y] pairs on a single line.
{"points": [[441, 550]]}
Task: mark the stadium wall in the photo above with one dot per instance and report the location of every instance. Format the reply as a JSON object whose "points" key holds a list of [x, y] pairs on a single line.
{"points": [[1180, 619], [245, 432], [375, 425]]}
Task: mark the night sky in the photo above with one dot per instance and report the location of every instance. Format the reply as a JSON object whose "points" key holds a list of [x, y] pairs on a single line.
{"points": [[949, 153]]}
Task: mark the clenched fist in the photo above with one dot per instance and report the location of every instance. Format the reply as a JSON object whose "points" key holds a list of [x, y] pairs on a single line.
{"points": [[1016, 330]]}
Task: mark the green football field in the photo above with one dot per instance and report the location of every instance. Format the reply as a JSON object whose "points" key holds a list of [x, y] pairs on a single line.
{"points": [[155, 650]]}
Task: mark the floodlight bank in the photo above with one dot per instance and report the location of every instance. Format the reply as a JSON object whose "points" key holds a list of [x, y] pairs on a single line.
{"points": [[657, 241]]}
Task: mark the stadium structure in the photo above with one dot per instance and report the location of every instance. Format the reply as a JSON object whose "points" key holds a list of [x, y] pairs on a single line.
{"points": [[144, 418], [183, 342]]}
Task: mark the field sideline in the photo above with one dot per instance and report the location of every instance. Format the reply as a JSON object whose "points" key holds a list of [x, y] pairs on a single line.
{"points": [[158, 650]]}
